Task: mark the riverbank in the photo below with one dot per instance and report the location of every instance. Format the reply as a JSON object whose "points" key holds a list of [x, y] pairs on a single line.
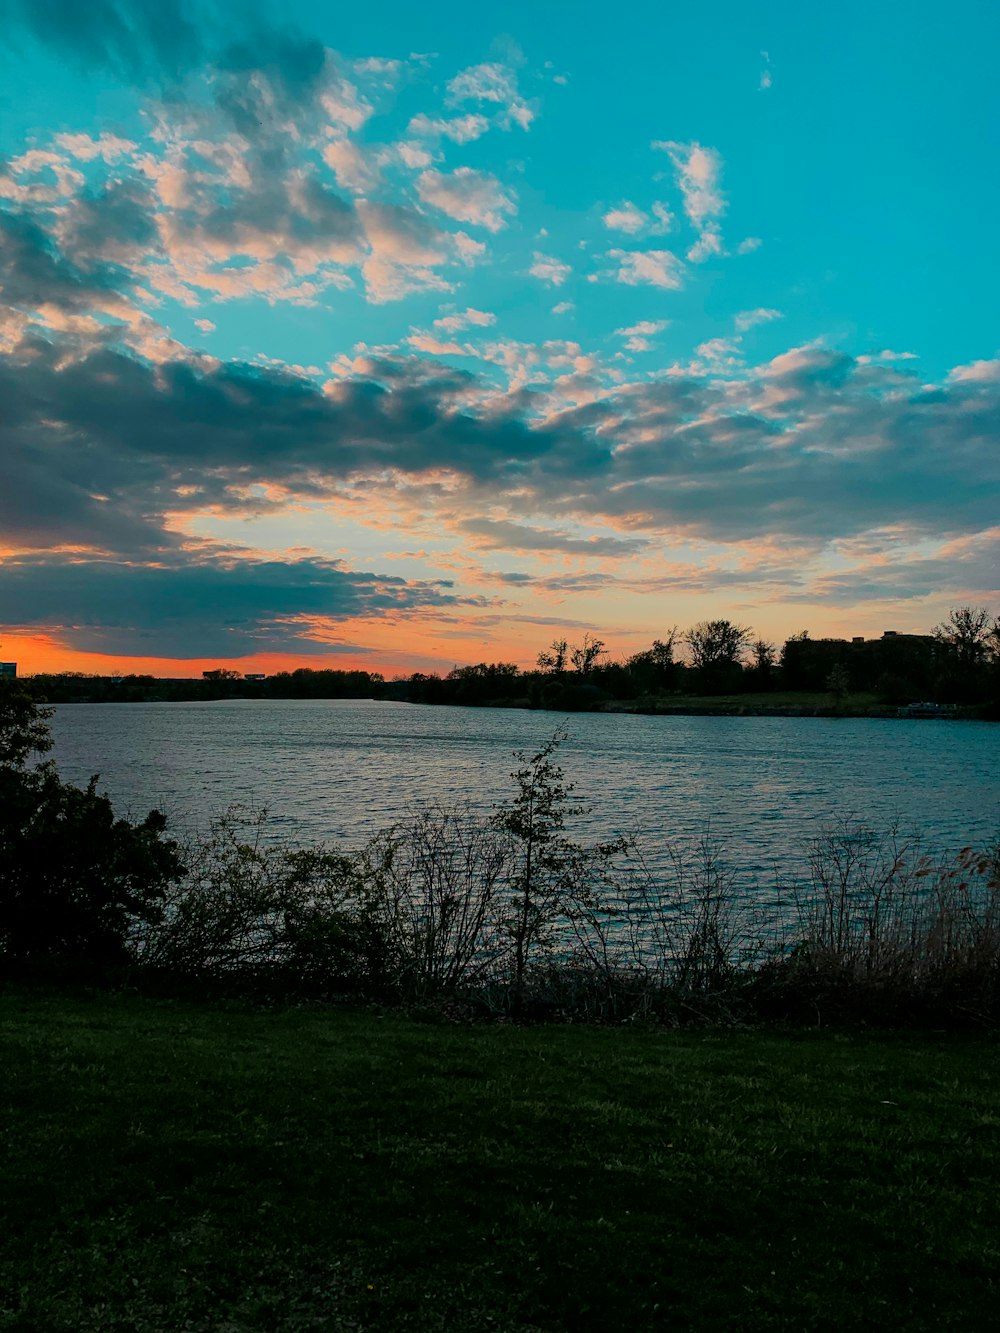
{"points": [[785, 705], [200, 1167]]}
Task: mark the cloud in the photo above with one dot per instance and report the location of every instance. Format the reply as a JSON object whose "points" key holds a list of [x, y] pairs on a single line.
{"points": [[467, 196], [112, 222], [492, 83], [637, 336], [469, 318], [698, 175], [37, 279], [563, 308], [135, 41], [425, 342], [39, 177], [749, 245], [720, 352], [653, 268], [232, 196], [811, 445], [411, 154], [966, 570], [644, 329], [202, 604], [108, 147], [351, 166], [888, 355], [749, 319], [405, 251], [548, 269], [708, 243], [275, 84], [977, 372], [502, 534], [461, 129], [628, 218], [115, 435]]}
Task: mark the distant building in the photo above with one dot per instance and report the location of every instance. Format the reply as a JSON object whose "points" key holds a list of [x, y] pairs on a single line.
{"points": [[254, 675], [8, 668], [858, 638]]}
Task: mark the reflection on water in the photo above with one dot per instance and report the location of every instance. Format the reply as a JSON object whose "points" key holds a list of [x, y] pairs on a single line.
{"points": [[338, 770]]}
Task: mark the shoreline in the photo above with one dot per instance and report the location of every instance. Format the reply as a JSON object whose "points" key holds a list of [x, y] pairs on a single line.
{"points": [[728, 708]]}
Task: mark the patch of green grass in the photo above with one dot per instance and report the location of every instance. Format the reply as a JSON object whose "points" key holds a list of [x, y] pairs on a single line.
{"points": [[217, 1170]]}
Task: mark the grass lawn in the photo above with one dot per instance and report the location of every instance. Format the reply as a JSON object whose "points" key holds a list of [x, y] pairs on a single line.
{"points": [[177, 1167]]}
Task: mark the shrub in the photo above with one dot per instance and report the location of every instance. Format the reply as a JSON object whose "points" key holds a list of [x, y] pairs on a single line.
{"points": [[256, 917], [73, 879]]}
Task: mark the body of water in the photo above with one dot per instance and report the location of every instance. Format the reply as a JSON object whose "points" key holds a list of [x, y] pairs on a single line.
{"points": [[338, 770]]}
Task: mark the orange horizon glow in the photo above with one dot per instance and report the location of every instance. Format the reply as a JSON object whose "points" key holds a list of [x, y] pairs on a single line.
{"points": [[432, 645]]}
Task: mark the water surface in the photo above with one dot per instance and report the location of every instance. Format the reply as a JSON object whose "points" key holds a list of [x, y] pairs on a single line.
{"points": [[337, 770]]}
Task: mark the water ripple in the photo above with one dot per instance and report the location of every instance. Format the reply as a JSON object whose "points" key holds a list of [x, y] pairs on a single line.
{"points": [[336, 771]]}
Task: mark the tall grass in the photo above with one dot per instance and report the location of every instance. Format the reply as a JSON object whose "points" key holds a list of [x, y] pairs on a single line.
{"points": [[882, 929], [432, 911]]}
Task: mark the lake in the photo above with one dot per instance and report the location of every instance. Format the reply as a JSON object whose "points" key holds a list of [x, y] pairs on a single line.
{"points": [[338, 770]]}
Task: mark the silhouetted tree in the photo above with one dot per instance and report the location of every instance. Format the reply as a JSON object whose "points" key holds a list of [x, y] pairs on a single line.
{"points": [[586, 654], [654, 668], [554, 659], [23, 726], [965, 637], [717, 647], [763, 663]]}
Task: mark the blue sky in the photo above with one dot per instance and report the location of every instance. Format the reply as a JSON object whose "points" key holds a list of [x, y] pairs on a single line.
{"points": [[464, 329]]}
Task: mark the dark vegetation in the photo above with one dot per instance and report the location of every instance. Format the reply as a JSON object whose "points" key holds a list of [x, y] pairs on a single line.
{"points": [[209, 1168], [497, 917], [723, 669]]}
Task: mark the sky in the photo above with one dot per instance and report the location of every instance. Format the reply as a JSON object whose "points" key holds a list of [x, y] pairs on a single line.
{"points": [[399, 337]]}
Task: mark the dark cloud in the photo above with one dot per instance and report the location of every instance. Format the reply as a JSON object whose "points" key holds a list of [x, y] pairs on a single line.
{"points": [[34, 273], [503, 535], [196, 606], [138, 41], [289, 72], [100, 447], [970, 573], [278, 215], [109, 227], [184, 434]]}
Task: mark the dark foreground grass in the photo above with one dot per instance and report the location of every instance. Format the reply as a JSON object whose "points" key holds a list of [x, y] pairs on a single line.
{"points": [[172, 1167]]}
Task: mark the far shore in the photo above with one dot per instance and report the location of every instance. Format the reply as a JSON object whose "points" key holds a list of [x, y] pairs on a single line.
{"points": [[745, 706]]}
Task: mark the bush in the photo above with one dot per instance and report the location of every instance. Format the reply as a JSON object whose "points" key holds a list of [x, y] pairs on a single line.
{"points": [[74, 880], [256, 918]]}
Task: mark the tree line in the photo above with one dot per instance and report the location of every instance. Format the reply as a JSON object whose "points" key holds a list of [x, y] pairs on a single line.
{"points": [[958, 662]]}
